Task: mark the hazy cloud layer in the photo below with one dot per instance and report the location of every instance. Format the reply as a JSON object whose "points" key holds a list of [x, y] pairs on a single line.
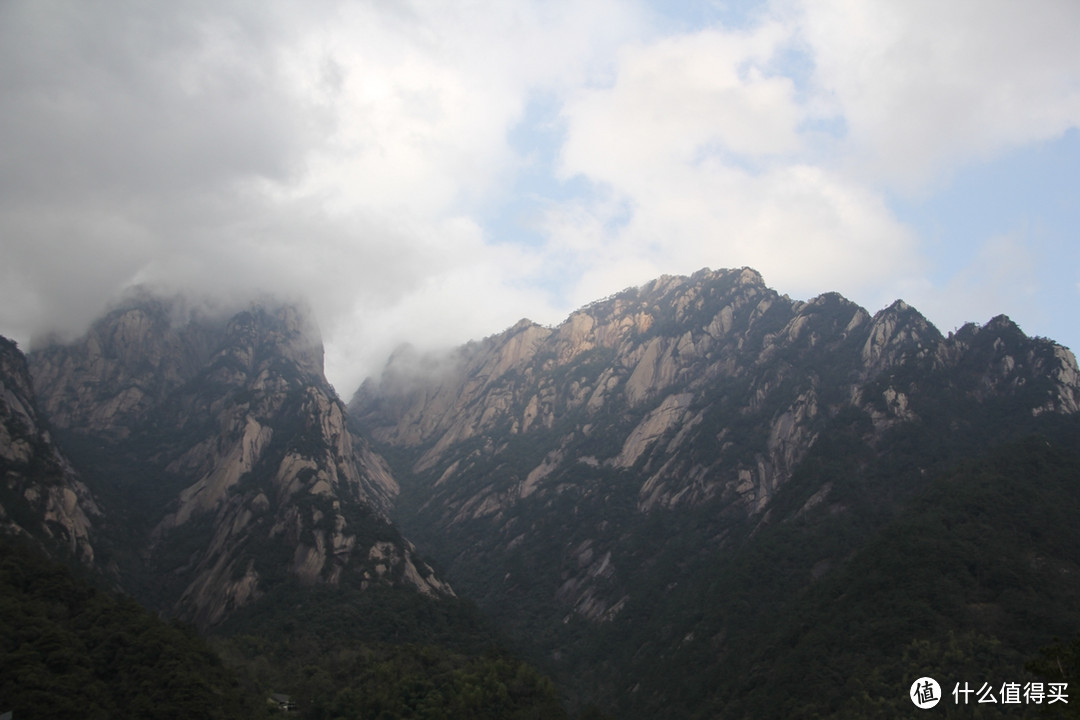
{"points": [[363, 155], [924, 86], [718, 171]]}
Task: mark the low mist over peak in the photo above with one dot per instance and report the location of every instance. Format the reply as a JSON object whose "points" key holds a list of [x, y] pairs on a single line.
{"points": [[410, 365]]}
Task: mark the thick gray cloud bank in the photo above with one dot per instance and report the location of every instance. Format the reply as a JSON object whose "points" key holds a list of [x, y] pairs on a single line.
{"points": [[432, 171]]}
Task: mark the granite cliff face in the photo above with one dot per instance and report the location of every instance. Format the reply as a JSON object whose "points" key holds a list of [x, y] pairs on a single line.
{"points": [[41, 495], [223, 445], [702, 392]]}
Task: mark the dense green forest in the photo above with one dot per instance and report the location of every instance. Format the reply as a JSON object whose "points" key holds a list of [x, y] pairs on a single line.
{"points": [[973, 577], [918, 562], [342, 653], [71, 650], [834, 613]]}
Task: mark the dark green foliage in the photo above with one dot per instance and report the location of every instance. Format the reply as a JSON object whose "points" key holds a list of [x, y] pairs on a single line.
{"points": [[975, 574], [1060, 663], [834, 615], [69, 650], [380, 653], [329, 614], [917, 562], [395, 681]]}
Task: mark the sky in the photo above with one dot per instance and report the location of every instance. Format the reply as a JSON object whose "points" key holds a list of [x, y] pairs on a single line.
{"points": [[431, 172]]}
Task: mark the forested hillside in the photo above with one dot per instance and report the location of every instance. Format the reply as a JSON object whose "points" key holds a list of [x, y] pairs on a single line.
{"points": [[72, 650]]}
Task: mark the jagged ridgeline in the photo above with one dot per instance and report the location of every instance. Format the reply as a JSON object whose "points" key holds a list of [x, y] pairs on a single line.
{"points": [[696, 498], [693, 499]]}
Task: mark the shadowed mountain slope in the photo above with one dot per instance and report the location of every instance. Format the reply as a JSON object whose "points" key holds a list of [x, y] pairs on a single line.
{"points": [[221, 457], [41, 495]]}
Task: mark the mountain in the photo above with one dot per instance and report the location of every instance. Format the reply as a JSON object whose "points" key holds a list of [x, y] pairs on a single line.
{"points": [[694, 499], [69, 647], [207, 471], [220, 458], [598, 486], [42, 497]]}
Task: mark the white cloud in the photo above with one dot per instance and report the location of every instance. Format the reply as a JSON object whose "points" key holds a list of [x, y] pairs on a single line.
{"points": [[698, 151], [805, 229], [353, 153], [335, 151], [1001, 273], [924, 86], [479, 290], [706, 148], [683, 99], [422, 98]]}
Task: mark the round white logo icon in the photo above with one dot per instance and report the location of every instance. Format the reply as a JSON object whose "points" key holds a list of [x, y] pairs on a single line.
{"points": [[925, 693]]}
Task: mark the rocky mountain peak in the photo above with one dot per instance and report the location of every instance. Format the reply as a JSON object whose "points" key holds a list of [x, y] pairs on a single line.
{"points": [[686, 392], [237, 451], [282, 332], [1003, 325], [126, 364], [898, 334]]}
